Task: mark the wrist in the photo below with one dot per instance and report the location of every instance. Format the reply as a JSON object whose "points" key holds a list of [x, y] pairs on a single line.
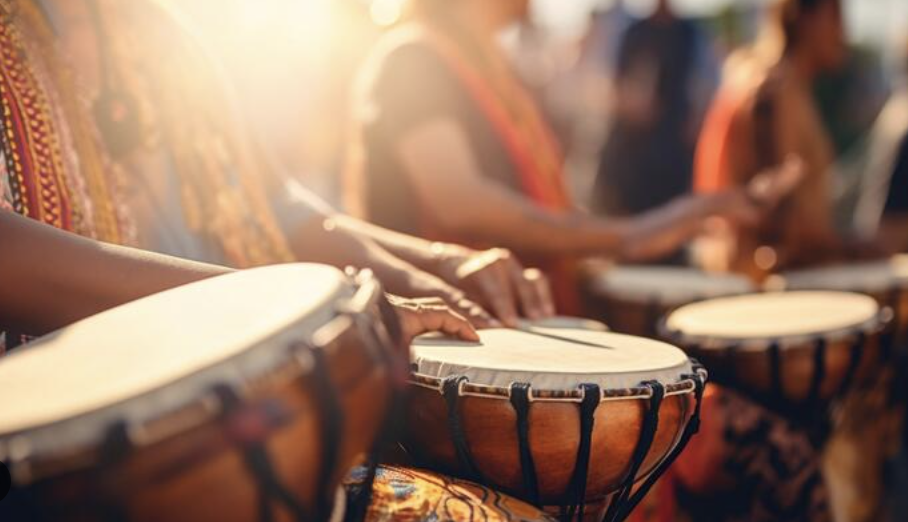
{"points": [[444, 260]]}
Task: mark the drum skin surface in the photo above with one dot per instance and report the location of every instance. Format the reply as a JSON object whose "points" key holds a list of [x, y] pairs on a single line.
{"points": [[554, 435], [824, 342], [180, 453], [632, 299], [885, 280], [415, 495]]}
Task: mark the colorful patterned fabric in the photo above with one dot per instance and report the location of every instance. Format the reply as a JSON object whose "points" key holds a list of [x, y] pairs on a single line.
{"points": [[52, 170], [184, 110], [749, 464], [411, 495]]}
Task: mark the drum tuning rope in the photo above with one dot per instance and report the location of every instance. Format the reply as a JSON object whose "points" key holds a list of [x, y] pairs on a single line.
{"points": [[520, 400], [576, 494], [693, 426], [617, 510], [258, 462], [451, 388]]}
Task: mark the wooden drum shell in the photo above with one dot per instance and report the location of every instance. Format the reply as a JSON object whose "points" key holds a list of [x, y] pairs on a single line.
{"points": [[490, 428], [750, 369], [200, 474]]}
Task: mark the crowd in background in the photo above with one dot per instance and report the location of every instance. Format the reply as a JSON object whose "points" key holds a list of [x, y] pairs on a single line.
{"points": [[297, 60]]}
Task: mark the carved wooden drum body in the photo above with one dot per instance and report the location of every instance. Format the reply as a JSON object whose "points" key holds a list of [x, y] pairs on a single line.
{"points": [[578, 419], [242, 397], [792, 350], [632, 299]]}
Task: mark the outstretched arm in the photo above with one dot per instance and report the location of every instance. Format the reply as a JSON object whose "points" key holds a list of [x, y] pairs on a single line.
{"points": [[446, 173], [50, 278]]}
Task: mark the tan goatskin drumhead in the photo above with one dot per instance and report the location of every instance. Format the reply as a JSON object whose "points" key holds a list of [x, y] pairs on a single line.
{"points": [[775, 315], [551, 358], [667, 284], [148, 344], [873, 276]]}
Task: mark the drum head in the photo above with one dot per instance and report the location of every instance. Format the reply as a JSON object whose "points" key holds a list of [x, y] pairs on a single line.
{"points": [[107, 363], [668, 285], [789, 317], [877, 276], [551, 359]]}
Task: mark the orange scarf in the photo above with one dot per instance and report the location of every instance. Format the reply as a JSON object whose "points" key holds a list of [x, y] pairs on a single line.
{"points": [[527, 139]]}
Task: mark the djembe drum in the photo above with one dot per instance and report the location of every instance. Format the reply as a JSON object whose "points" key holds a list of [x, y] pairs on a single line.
{"points": [[580, 421], [886, 281], [242, 397], [632, 299], [870, 419], [794, 351]]}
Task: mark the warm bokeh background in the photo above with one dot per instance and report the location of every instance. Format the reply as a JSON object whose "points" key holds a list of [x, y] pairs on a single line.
{"points": [[292, 62]]}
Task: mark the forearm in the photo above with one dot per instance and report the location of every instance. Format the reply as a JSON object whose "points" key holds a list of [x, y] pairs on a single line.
{"points": [[331, 240], [416, 251], [664, 229], [50, 278]]}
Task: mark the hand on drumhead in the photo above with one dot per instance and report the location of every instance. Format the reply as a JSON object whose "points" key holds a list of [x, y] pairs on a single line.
{"points": [[771, 186], [495, 279], [419, 316], [427, 285]]}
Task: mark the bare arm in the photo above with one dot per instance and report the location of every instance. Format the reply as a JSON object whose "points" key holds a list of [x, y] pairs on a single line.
{"points": [[50, 278], [447, 176]]}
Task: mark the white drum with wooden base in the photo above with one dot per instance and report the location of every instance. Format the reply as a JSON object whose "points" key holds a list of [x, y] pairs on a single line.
{"points": [[239, 398], [580, 420]]}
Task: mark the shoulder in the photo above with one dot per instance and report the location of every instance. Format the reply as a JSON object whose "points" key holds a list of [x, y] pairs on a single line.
{"points": [[406, 50]]}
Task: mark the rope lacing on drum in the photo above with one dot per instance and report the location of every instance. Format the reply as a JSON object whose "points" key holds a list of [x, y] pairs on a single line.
{"points": [[576, 494], [857, 350], [693, 426], [819, 371], [520, 400], [451, 390], [258, 462], [775, 371], [616, 510]]}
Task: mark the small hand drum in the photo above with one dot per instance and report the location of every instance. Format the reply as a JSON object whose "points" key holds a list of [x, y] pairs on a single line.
{"points": [[886, 281], [557, 417], [792, 350], [632, 299], [236, 398]]}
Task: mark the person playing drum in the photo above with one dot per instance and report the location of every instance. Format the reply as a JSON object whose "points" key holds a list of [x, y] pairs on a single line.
{"points": [[765, 111], [449, 145]]}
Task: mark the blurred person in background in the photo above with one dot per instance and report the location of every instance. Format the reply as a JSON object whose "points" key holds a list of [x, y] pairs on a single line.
{"points": [[765, 110], [882, 209], [449, 145], [648, 156], [198, 186]]}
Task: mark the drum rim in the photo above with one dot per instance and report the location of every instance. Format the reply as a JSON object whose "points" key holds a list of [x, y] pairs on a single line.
{"points": [[278, 358], [599, 286], [875, 324], [896, 281], [682, 386]]}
